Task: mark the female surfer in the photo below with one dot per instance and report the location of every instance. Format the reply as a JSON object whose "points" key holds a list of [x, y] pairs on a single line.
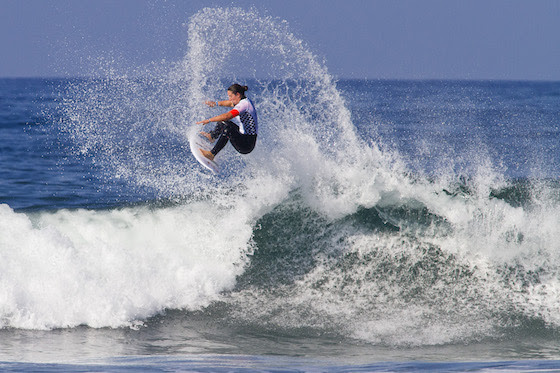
{"points": [[238, 125]]}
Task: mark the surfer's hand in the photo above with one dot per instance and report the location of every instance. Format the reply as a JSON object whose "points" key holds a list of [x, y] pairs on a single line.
{"points": [[211, 103], [205, 121]]}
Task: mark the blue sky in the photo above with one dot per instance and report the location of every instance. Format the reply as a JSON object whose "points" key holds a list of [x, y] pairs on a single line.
{"points": [[374, 39]]}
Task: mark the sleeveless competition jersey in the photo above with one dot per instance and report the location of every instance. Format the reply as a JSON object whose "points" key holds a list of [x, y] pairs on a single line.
{"points": [[245, 116]]}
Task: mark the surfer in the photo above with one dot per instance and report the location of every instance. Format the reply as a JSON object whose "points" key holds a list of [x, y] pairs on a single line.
{"points": [[239, 125]]}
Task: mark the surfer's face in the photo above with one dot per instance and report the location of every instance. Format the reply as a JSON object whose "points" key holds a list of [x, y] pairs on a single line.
{"points": [[234, 97]]}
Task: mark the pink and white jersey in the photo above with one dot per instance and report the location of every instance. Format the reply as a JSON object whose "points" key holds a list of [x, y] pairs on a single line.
{"points": [[245, 116]]}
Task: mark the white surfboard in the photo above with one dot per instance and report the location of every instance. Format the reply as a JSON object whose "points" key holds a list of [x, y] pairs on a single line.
{"points": [[197, 142]]}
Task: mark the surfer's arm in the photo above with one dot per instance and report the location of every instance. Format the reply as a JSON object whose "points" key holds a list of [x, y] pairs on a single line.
{"points": [[218, 118], [226, 103]]}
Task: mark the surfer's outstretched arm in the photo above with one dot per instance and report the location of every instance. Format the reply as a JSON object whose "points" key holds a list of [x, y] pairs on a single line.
{"points": [[226, 103], [218, 118]]}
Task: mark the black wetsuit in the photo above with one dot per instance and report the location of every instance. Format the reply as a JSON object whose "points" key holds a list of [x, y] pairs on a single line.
{"points": [[229, 131]]}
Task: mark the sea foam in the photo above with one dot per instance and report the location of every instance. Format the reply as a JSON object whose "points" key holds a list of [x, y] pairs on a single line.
{"points": [[116, 268]]}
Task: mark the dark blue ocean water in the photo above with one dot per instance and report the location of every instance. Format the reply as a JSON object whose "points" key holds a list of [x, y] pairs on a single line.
{"points": [[377, 226]]}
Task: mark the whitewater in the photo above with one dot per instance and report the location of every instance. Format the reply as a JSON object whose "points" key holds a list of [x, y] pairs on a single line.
{"points": [[399, 220]]}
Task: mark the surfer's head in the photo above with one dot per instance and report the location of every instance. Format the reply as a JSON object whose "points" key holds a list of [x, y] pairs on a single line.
{"points": [[237, 92]]}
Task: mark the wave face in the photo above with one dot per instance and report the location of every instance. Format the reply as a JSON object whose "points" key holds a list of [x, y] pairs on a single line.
{"points": [[321, 231]]}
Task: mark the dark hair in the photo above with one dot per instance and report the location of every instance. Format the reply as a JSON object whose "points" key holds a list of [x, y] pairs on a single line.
{"points": [[236, 88]]}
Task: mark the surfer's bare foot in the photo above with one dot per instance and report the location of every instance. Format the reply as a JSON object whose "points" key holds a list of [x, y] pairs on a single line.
{"points": [[208, 136], [207, 154]]}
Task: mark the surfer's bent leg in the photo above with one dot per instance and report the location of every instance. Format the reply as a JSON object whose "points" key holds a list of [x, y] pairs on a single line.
{"points": [[217, 131], [244, 144], [224, 131]]}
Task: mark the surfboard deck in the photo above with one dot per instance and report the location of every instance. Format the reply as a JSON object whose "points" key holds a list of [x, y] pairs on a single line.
{"points": [[197, 142]]}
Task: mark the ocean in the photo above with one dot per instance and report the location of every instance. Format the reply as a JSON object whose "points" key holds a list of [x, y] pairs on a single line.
{"points": [[379, 225]]}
